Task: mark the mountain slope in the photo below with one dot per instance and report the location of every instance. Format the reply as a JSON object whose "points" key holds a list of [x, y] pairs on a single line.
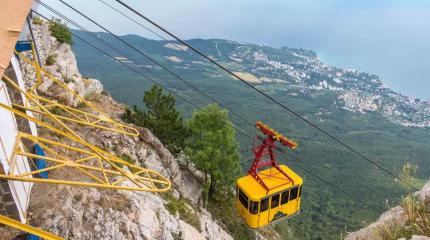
{"points": [[353, 105], [403, 222], [95, 213]]}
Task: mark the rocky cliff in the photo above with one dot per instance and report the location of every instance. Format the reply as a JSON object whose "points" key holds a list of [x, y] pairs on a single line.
{"points": [[90, 213], [401, 220]]}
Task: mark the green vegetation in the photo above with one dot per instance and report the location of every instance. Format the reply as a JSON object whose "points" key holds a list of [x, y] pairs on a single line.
{"points": [[224, 211], [417, 211], [407, 174], [186, 213], [213, 148], [60, 31], [326, 211], [37, 20], [127, 159], [50, 60], [417, 221], [161, 118]]}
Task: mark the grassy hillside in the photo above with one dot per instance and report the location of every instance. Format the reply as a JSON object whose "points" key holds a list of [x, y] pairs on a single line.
{"points": [[326, 211]]}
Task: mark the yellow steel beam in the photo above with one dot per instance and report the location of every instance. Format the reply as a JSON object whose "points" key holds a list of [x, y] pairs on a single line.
{"points": [[151, 180], [69, 132], [99, 120], [29, 229], [142, 180]]}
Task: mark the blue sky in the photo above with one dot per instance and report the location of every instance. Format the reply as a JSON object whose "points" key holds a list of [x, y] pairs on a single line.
{"points": [[390, 38]]}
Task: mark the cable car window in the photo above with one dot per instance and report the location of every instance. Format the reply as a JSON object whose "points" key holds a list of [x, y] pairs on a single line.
{"points": [[275, 201], [294, 193], [300, 191], [253, 207], [243, 198], [264, 204], [284, 196]]}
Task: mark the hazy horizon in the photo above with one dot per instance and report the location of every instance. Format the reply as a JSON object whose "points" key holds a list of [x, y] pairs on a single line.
{"points": [[386, 37]]}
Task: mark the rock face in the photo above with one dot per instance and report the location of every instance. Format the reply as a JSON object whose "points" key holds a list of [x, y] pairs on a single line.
{"points": [[59, 60], [168, 160], [86, 213], [90, 213], [396, 215]]}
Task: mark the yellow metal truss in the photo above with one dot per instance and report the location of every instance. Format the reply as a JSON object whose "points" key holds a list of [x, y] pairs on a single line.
{"points": [[29, 229], [97, 168], [97, 119], [106, 165], [103, 169]]}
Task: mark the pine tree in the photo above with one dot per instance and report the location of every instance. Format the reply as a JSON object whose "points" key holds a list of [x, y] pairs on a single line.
{"points": [[162, 118], [213, 148]]}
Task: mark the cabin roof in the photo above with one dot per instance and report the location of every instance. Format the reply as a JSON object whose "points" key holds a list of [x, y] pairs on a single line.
{"points": [[273, 179]]}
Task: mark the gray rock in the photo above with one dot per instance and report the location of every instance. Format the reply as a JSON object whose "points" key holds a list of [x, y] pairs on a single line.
{"points": [[64, 69], [416, 237], [167, 159], [90, 213], [394, 215]]}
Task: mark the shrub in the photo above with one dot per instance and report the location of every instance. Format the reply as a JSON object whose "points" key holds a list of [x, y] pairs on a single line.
{"points": [[50, 60], [224, 212], [417, 213], [37, 20], [60, 31], [393, 231], [185, 213]]}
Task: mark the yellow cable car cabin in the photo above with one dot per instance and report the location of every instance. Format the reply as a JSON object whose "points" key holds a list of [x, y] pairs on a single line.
{"points": [[259, 207], [270, 195]]}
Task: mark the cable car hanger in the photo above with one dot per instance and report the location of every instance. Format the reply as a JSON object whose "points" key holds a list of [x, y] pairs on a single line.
{"points": [[267, 147]]}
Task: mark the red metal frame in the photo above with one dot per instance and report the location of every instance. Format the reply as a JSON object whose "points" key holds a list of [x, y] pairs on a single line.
{"points": [[267, 148]]}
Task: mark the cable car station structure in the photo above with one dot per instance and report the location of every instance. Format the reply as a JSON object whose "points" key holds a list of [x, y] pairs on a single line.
{"points": [[21, 163]]}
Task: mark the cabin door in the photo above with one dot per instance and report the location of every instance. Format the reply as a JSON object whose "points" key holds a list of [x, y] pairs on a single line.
{"points": [[264, 212], [274, 206]]}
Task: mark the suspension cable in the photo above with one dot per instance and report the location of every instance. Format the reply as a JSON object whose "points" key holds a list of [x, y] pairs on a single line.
{"points": [[288, 109], [148, 57], [203, 109]]}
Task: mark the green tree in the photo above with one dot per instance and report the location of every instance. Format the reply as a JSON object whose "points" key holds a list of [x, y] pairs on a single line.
{"points": [[161, 118], [213, 148]]}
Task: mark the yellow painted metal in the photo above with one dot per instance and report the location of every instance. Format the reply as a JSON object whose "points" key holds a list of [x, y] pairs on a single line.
{"points": [[29, 229], [254, 191], [107, 173], [142, 180], [97, 119], [85, 161]]}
